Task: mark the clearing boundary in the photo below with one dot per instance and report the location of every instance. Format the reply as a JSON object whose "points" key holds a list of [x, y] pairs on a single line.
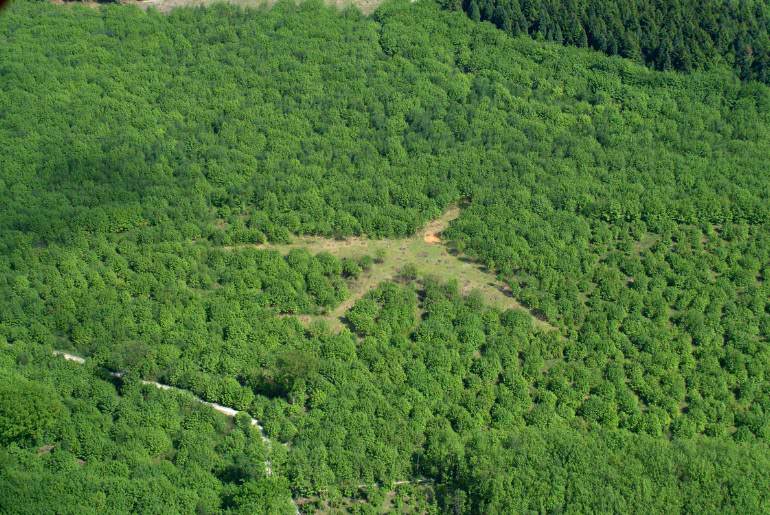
{"points": [[425, 250]]}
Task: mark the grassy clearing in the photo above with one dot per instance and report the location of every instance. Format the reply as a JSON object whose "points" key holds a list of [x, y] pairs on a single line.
{"points": [[425, 250]]}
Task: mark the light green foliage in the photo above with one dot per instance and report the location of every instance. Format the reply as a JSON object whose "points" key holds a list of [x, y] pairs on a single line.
{"points": [[27, 410], [144, 155], [135, 450]]}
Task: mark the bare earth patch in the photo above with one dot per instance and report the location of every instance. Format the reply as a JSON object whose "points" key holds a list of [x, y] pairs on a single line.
{"points": [[434, 228], [431, 238]]}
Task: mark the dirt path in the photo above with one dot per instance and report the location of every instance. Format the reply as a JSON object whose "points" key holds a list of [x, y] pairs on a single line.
{"points": [[431, 233], [229, 412], [425, 250]]}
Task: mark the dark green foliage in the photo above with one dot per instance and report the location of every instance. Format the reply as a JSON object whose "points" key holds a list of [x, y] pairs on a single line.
{"points": [[680, 34], [459, 392], [627, 207], [387, 310], [140, 451], [27, 410], [557, 469]]}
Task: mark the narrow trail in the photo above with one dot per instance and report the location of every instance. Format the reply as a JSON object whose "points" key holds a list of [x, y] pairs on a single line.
{"points": [[425, 250], [231, 412]]}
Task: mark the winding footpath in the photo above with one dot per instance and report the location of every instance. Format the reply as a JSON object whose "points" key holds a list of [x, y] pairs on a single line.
{"points": [[229, 412]]}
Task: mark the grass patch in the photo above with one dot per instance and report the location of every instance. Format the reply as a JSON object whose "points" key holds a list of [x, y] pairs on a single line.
{"points": [[425, 251]]}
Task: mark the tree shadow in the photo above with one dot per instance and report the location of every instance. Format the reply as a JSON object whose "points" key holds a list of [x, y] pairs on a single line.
{"points": [[345, 321]]}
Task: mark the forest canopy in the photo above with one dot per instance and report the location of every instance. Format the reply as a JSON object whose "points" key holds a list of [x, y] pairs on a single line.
{"points": [[665, 34], [148, 158]]}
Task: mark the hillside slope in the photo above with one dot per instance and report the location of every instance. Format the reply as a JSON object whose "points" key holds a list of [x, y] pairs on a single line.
{"points": [[148, 157], [665, 34]]}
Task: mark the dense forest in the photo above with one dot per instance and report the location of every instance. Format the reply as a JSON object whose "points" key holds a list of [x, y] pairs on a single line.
{"points": [[74, 442], [666, 34], [147, 157]]}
